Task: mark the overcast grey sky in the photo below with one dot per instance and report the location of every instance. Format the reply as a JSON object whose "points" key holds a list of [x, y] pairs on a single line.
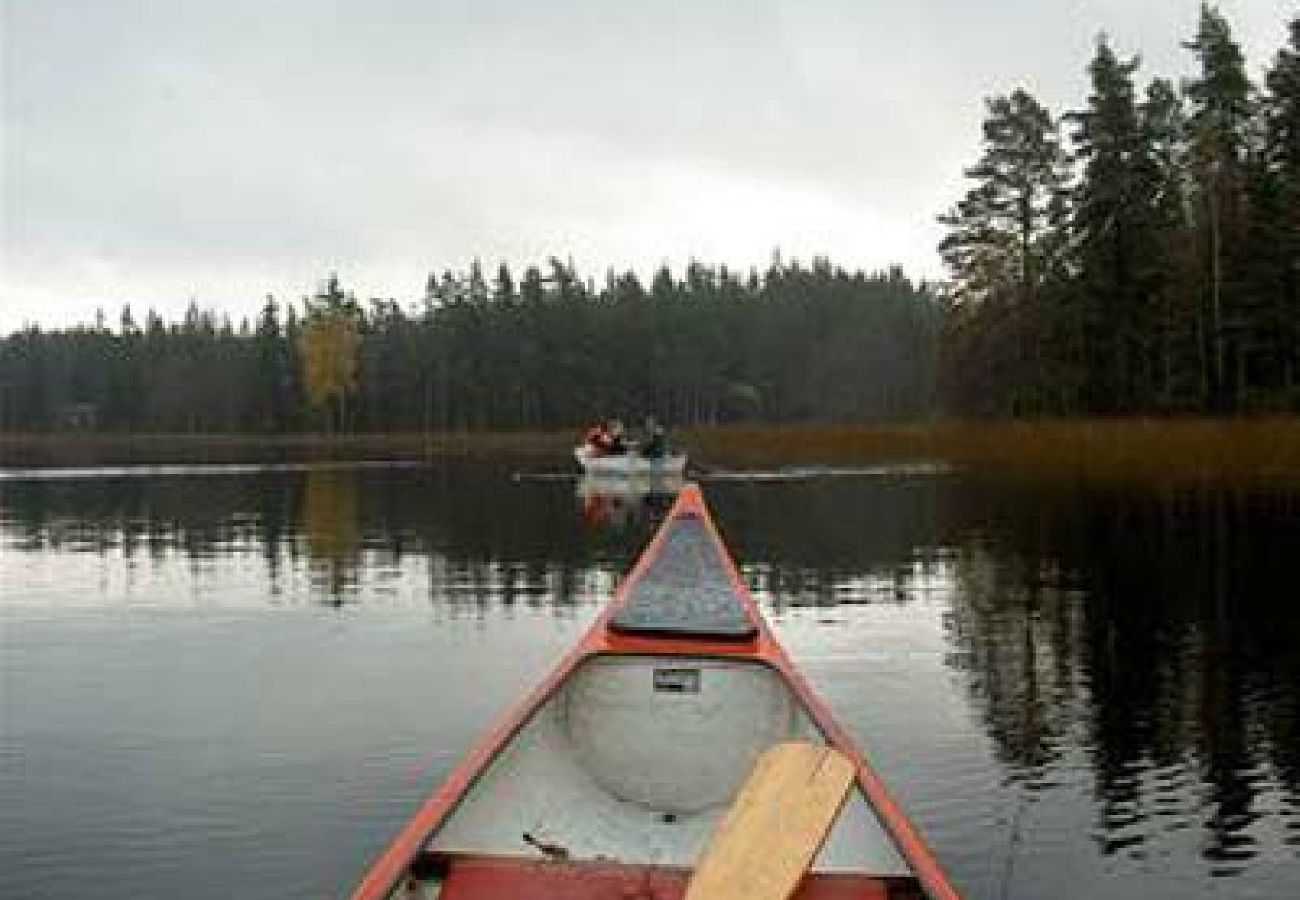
{"points": [[158, 151]]}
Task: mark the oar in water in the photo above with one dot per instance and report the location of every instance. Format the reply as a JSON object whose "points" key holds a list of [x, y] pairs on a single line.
{"points": [[767, 840]]}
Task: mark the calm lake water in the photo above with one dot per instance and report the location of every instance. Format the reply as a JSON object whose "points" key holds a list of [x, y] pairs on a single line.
{"points": [[239, 682]]}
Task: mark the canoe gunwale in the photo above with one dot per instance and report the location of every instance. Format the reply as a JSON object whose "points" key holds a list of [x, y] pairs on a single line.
{"points": [[666, 881], [601, 640]]}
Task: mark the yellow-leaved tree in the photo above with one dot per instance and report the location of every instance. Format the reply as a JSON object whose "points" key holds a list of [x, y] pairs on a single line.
{"points": [[330, 344]]}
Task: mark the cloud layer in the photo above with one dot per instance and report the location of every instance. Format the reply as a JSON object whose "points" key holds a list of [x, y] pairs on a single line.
{"points": [[155, 152]]}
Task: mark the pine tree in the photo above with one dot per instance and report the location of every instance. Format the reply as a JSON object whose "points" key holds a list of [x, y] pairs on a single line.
{"points": [[1118, 223], [1276, 233], [1005, 243], [504, 287], [1219, 98], [1175, 351], [272, 362], [1002, 231]]}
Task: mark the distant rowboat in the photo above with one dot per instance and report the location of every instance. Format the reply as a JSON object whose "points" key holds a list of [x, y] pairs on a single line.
{"points": [[628, 464], [630, 487], [624, 767]]}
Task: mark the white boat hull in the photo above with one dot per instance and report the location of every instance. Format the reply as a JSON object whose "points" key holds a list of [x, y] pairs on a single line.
{"points": [[629, 464], [630, 487]]}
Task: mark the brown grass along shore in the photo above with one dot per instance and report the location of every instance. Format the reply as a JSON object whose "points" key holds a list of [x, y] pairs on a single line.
{"points": [[1146, 450], [1140, 450]]}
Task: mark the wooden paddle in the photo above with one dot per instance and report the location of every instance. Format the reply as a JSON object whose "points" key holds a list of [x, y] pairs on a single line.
{"points": [[775, 826]]}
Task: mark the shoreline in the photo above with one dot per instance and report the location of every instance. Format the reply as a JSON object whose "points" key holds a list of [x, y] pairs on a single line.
{"points": [[1144, 450]]}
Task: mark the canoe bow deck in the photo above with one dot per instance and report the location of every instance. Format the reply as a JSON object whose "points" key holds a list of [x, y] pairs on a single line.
{"points": [[608, 780]]}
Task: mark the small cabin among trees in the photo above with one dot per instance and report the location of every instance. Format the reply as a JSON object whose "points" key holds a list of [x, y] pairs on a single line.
{"points": [[78, 417]]}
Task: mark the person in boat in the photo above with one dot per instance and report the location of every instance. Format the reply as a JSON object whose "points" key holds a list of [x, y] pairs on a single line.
{"points": [[654, 443], [617, 438], [606, 438], [597, 438]]}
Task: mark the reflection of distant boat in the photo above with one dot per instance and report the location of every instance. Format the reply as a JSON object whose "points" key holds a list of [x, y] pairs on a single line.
{"points": [[616, 499], [676, 735], [628, 464]]}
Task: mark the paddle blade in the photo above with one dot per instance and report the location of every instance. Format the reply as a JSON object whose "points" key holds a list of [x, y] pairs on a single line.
{"points": [[775, 826]]}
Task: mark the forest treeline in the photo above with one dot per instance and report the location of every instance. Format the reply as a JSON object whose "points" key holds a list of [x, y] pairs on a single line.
{"points": [[1137, 255], [797, 342]]}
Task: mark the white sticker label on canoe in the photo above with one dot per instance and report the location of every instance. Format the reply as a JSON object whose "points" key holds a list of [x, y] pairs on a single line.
{"points": [[677, 681]]}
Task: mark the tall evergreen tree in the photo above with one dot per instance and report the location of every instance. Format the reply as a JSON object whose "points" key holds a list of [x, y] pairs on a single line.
{"points": [[1117, 234], [1219, 100], [1174, 342], [272, 368], [1275, 232], [1283, 111], [1002, 231], [1006, 240]]}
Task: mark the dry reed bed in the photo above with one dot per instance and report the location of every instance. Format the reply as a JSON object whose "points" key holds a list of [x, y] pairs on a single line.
{"points": [[1137, 450]]}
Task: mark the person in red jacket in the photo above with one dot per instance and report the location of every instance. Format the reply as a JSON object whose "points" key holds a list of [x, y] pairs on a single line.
{"points": [[606, 438], [597, 439]]}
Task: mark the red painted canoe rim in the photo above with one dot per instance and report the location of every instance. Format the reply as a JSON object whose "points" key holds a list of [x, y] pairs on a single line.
{"points": [[387, 871]]}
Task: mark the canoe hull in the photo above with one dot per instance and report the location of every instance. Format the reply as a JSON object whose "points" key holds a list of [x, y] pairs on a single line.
{"points": [[628, 753]]}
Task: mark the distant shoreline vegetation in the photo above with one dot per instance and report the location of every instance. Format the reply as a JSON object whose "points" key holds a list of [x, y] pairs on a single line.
{"points": [[1147, 266], [794, 343]]}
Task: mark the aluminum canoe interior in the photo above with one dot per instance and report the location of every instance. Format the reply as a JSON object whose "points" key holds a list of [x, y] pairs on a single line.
{"points": [[608, 781]]}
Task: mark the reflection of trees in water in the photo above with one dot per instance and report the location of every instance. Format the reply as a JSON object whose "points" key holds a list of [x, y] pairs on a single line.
{"points": [[834, 541], [159, 515], [331, 525], [486, 531], [485, 540], [480, 587], [825, 530], [1153, 634], [1162, 624], [1017, 636]]}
